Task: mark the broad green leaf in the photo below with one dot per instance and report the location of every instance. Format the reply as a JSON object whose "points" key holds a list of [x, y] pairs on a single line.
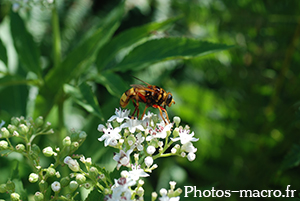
{"points": [[127, 38], [292, 159], [163, 49], [113, 83], [26, 48], [85, 97], [3, 53], [83, 55]]}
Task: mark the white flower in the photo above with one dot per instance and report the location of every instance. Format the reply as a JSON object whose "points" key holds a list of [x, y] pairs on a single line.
{"points": [[111, 135], [121, 189], [159, 132], [137, 172], [55, 186], [123, 158], [139, 140], [148, 161], [188, 147], [185, 136], [72, 163], [132, 125], [120, 115]]}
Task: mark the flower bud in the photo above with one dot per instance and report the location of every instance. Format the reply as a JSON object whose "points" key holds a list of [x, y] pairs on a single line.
{"points": [[80, 178], [11, 128], [33, 178], [3, 144], [154, 195], [24, 129], [39, 121], [151, 150], [10, 186], [82, 135], [177, 192], [87, 185], [4, 133], [131, 140], [148, 161], [191, 156], [43, 185], [64, 181], [74, 146], [74, 136], [176, 132], [14, 197], [140, 191], [51, 172], [3, 188], [55, 186], [93, 172], [20, 147], [72, 164], [15, 121], [176, 120], [73, 185], [48, 151], [38, 196], [67, 141]]}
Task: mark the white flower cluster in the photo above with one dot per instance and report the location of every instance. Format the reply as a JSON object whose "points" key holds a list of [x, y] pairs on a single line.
{"points": [[147, 139]]}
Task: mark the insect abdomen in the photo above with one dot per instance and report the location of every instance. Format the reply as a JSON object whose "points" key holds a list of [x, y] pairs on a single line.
{"points": [[126, 97]]}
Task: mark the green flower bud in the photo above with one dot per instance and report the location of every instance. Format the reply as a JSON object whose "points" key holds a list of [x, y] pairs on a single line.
{"points": [[82, 135], [93, 172], [39, 121], [107, 191], [20, 148], [43, 185], [35, 150], [177, 192], [3, 188], [74, 136], [11, 128], [15, 121], [24, 129], [4, 133], [33, 178], [51, 171], [67, 141], [87, 185], [176, 132], [48, 151], [74, 146], [131, 140], [80, 178], [73, 185], [10, 186], [38, 196], [3, 144], [14, 197], [177, 120], [64, 181]]}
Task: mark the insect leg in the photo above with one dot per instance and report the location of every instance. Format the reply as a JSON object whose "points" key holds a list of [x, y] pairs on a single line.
{"points": [[136, 109], [144, 111], [161, 114]]}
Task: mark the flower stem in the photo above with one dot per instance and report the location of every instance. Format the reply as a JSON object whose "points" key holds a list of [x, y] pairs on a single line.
{"points": [[56, 37]]}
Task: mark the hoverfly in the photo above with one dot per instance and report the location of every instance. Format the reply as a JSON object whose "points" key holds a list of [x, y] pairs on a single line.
{"points": [[151, 95]]}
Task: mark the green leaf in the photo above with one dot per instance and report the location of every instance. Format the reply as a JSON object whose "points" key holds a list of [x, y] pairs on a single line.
{"points": [[10, 80], [83, 55], [127, 38], [113, 83], [84, 97], [292, 159], [163, 49], [26, 48], [3, 53], [94, 195]]}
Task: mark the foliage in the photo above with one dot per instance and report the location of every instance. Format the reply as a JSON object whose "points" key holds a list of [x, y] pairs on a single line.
{"points": [[52, 68]]}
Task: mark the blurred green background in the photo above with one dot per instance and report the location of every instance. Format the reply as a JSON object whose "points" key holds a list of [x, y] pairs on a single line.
{"points": [[242, 103]]}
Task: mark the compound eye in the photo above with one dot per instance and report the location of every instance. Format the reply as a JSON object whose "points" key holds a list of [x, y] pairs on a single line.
{"points": [[169, 100]]}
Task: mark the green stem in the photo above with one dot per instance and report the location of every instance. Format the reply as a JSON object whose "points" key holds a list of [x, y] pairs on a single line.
{"points": [[56, 37]]}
